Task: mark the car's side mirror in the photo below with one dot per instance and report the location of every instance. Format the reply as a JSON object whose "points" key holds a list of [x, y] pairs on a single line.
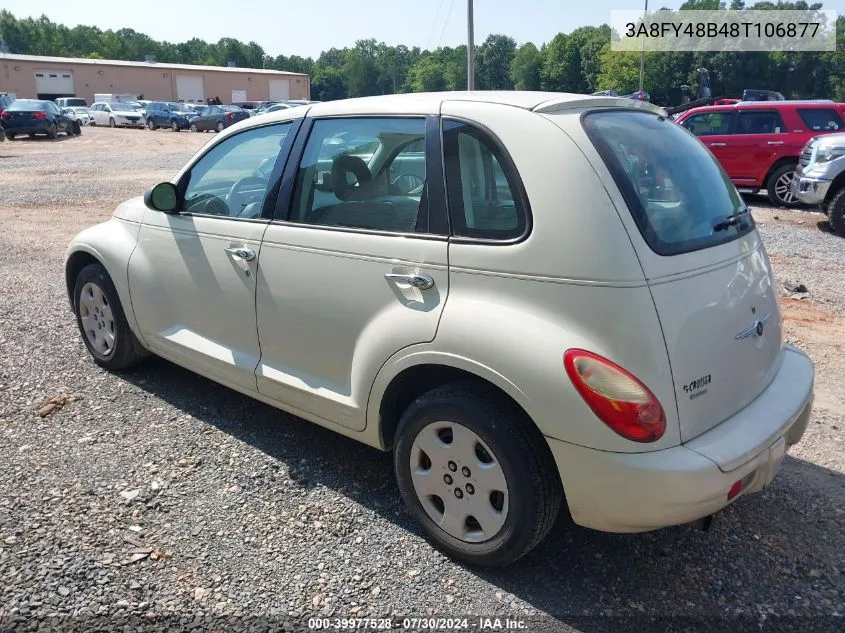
{"points": [[163, 197]]}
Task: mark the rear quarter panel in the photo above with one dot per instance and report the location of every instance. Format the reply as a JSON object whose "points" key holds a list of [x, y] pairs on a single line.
{"points": [[575, 282]]}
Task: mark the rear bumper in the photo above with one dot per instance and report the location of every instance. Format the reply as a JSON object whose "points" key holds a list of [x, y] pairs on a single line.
{"points": [[40, 128], [810, 190], [638, 492]]}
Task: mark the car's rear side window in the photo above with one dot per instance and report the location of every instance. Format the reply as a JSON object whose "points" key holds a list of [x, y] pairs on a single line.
{"points": [[821, 119], [485, 200], [679, 195], [759, 122]]}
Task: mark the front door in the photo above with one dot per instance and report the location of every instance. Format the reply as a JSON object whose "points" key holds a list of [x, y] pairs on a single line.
{"points": [[713, 128], [192, 275], [354, 272]]}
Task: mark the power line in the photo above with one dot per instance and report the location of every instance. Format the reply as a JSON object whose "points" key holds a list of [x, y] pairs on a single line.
{"points": [[433, 26], [446, 23]]}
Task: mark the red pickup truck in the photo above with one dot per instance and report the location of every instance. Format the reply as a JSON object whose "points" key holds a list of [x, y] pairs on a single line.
{"points": [[759, 142]]}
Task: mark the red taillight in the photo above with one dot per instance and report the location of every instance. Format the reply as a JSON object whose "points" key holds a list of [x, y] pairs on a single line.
{"points": [[230, 116], [616, 396], [39, 115], [5, 115], [735, 489]]}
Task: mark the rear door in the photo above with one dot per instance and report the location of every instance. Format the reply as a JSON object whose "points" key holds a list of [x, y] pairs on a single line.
{"points": [[713, 128], [708, 272], [760, 139], [354, 268]]}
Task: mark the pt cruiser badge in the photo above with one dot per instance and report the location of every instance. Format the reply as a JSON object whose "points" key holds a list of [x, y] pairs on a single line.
{"points": [[755, 329]]}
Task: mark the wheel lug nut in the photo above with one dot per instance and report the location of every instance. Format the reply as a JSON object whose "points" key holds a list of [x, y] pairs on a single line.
{"points": [[459, 493], [470, 489], [465, 471], [453, 466], [447, 479]]}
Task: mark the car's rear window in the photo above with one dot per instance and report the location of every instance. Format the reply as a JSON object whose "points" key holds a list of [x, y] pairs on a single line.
{"points": [[27, 105], [821, 119], [679, 195]]}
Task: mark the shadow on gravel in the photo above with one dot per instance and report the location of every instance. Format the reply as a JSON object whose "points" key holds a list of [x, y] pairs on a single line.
{"points": [[784, 546]]}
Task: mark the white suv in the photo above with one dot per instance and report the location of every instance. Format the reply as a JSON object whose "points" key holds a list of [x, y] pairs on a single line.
{"points": [[532, 299]]}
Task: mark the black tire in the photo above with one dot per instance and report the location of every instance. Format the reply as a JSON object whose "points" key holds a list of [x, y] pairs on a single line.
{"points": [[151, 124], [126, 350], [780, 199], [220, 126], [112, 123], [174, 126], [836, 212], [10, 136], [533, 484], [194, 127], [77, 128], [52, 132]]}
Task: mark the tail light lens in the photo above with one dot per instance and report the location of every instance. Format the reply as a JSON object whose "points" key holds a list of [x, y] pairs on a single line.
{"points": [[39, 115], [5, 115], [616, 396], [230, 116]]}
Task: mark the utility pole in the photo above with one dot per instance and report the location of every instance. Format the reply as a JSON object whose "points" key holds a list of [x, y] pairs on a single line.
{"points": [[470, 48], [642, 53]]}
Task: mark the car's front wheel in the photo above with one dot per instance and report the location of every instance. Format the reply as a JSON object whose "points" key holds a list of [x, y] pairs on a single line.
{"points": [[102, 322], [193, 127], [174, 126], [836, 212], [151, 124], [476, 473], [779, 187]]}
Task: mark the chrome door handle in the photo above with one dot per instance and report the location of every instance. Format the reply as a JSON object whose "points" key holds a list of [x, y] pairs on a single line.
{"points": [[717, 144], [775, 143], [241, 253], [423, 282]]}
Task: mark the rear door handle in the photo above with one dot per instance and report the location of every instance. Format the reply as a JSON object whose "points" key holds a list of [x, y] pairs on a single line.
{"points": [[775, 142], [717, 144], [245, 254], [423, 282]]}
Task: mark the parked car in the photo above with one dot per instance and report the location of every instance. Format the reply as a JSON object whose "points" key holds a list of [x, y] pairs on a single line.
{"points": [[197, 107], [79, 114], [250, 106], [35, 116], [217, 118], [623, 351], [174, 115], [758, 143], [116, 114], [820, 177], [276, 107], [71, 102]]}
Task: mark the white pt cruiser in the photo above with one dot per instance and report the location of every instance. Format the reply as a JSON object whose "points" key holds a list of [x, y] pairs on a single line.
{"points": [[534, 300]]}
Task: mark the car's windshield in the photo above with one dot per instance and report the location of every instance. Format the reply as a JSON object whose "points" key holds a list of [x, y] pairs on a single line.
{"points": [[124, 107], [230, 108], [679, 195], [76, 102]]}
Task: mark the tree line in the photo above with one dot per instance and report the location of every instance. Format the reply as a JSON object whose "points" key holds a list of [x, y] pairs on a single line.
{"points": [[580, 61]]}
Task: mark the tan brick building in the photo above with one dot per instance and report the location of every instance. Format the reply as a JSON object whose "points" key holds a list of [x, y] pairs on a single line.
{"points": [[34, 77]]}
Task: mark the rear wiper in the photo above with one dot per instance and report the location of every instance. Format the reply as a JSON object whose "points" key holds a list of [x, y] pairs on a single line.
{"points": [[729, 221]]}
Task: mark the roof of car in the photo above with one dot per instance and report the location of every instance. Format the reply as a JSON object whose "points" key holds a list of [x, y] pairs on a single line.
{"points": [[768, 105], [430, 103]]}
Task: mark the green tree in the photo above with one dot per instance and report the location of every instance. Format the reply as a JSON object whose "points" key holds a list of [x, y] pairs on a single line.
{"points": [[494, 62], [525, 68]]}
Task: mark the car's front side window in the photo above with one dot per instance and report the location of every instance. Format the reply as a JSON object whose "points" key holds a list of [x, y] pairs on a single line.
{"points": [[232, 179], [708, 124], [359, 174]]}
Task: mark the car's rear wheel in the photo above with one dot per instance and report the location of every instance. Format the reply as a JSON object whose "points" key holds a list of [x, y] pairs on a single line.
{"points": [[476, 473], [10, 136], [193, 127], [52, 131], [779, 187], [220, 126], [836, 212], [101, 320], [112, 123]]}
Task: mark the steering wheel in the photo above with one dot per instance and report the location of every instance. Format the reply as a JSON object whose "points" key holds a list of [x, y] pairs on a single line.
{"points": [[408, 184], [234, 199], [346, 164]]}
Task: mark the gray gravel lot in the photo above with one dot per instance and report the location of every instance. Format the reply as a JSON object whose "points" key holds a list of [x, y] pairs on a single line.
{"points": [[158, 496]]}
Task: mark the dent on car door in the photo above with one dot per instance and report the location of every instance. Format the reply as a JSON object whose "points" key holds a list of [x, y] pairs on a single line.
{"points": [[192, 275], [356, 267]]}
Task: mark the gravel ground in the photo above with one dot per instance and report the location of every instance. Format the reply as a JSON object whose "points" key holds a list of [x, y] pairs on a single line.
{"points": [[158, 499]]}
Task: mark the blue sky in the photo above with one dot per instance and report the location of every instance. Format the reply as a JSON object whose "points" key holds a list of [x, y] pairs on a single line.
{"points": [[307, 27]]}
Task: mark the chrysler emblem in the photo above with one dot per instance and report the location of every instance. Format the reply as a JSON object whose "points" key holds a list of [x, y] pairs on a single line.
{"points": [[755, 329]]}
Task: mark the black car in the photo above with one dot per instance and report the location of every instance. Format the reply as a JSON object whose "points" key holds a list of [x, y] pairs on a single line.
{"points": [[33, 116], [218, 118]]}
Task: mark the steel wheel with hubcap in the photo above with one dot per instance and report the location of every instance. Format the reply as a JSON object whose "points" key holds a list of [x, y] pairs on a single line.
{"points": [[101, 320], [193, 127], [220, 126], [112, 123], [174, 126], [151, 124], [780, 187], [476, 473]]}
